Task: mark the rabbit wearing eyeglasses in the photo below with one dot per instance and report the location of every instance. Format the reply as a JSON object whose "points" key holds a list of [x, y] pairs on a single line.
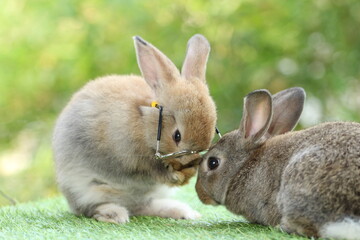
{"points": [[308, 181], [104, 140]]}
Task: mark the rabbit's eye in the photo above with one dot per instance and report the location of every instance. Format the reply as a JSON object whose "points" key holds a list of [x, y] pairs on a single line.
{"points": [[213, 163], [177, 136]]}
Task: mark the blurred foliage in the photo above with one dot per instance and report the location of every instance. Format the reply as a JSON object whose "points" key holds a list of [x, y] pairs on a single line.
{"points": [[49, 49]]}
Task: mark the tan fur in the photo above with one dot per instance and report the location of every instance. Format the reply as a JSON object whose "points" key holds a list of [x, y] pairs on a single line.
{"points": [[302, 181], [105, 138]]}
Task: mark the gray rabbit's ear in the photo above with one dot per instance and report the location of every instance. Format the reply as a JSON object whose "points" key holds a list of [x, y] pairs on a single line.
{"points": [[197, 54], [155, 67], [257, 115], [287, 106]]}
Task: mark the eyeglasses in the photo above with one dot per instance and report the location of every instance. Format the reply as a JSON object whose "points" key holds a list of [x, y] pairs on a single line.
{"points": [[160, 156]]}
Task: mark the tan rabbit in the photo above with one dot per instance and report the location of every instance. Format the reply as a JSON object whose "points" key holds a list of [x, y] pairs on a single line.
{"points": [[105, 139], [308, 181]]}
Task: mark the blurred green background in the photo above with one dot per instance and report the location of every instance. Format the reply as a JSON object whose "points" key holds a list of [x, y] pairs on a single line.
{"points": [[49, 49]]}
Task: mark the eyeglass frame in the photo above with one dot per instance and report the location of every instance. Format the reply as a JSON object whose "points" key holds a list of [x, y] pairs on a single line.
{"points": [[160, 156]]}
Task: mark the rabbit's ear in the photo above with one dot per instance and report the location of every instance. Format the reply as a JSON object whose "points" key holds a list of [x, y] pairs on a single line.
{"points": [[287, 106], [197, 53], [257, 115], [155, 67]]}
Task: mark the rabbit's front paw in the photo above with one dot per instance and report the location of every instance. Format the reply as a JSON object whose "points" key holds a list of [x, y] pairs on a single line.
{"points": [[188, 173], [111, 213], [169, 208], [177, 178], [177, 213], [183, 176]]}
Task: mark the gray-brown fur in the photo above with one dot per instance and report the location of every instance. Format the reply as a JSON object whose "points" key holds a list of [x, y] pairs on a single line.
{"points": [[299, 180]]}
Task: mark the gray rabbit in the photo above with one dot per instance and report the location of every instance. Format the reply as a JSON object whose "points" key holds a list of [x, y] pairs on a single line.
{"points": [[308, 181]]}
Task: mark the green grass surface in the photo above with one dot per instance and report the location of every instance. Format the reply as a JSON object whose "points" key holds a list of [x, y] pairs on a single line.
{"points": [[51, 219]]}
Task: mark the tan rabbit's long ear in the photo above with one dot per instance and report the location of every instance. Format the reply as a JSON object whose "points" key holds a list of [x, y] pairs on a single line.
{"points": [[257, 114], [197, 53], [287, 106], [155, 67]]}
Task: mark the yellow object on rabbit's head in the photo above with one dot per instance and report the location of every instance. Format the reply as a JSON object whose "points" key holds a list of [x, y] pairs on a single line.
{"points": [[155, 104]]}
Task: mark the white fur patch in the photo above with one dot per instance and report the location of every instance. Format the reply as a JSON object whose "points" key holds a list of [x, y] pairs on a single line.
{"points": [[111, 213], [169, 208], [346, 229]]}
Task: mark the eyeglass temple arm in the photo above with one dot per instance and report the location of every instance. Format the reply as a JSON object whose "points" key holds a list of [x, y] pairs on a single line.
{"points": [[160, 123], [158, 137], [217, 132]]}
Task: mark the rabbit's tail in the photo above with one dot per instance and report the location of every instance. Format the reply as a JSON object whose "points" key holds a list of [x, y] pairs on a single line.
{"points": [[347, 228]]}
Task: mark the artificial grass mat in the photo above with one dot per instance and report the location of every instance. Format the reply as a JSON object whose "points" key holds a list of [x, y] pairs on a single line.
{"points": [[51, 219]]}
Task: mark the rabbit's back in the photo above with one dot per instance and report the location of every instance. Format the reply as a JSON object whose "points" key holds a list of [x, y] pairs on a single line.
{"points": [[97, 123], [321, 181]]}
